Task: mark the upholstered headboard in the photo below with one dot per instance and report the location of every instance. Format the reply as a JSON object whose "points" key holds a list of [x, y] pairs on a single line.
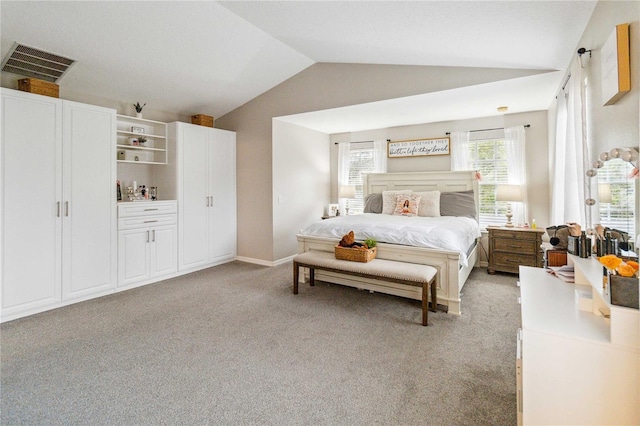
{"points": [[422, 181]]}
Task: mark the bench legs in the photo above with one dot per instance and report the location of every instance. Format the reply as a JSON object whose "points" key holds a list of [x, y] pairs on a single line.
{"points": [[425, 290]]}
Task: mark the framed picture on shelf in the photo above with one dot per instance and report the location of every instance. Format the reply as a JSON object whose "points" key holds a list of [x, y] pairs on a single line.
{"points": [[137, 130], [332, 209]]}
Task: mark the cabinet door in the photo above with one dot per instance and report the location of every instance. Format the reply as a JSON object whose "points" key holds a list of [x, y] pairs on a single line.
{"points": [[31, 190], [223, 218], [164, 253], [89, 225], [194, 198], [133, 256]]}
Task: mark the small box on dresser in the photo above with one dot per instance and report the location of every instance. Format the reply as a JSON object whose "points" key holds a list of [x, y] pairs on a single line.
{"points": [[511, 247]]}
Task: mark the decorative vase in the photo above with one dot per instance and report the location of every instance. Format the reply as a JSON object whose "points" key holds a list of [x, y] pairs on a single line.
{"points": [[138, 115]]}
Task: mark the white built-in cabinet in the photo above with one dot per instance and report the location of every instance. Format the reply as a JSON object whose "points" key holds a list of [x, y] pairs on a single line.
{"points": [[147, 242], [58, 212], [203, 176]]}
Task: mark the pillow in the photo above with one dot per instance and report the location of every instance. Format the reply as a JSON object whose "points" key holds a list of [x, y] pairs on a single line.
{"points": [[461, 203], [429, 203], [373, 203], [389, 200], [407, 205]]}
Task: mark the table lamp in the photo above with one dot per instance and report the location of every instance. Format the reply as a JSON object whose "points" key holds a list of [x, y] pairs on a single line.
{"points": [[604, 193], [509, 193]]}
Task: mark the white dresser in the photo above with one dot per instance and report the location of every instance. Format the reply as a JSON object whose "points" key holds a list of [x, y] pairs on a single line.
{"points": [[579, 356]]}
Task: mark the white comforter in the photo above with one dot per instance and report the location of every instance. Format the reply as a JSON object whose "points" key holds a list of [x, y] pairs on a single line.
{"points": [[446, 233]]}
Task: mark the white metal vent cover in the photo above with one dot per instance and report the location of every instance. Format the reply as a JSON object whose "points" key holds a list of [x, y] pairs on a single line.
{"points": [[36, 63]]}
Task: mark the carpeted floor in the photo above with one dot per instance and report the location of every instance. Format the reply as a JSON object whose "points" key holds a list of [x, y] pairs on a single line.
{"points": [[233, 345]]}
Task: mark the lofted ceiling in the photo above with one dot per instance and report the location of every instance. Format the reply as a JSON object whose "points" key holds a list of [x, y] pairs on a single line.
{"points": [[212, 57]]}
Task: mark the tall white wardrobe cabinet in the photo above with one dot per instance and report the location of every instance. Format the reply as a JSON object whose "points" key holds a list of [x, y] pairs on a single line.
{"points": [[58, 226], [202, 172]]}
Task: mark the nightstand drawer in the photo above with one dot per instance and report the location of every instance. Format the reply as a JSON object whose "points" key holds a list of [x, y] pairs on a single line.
{"points": [[516, 246], [514, 235], [513, 260]]}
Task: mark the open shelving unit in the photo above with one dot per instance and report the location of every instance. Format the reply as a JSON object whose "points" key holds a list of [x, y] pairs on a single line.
{"points": [[154, 151]]}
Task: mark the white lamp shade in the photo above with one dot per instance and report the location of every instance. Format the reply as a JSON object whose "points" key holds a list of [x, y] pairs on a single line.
{"points": [[509, 193], [604, 192], [347, 191]]}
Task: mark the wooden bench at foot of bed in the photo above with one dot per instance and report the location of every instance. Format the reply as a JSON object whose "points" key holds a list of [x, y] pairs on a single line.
{"points": [[387, 270]]}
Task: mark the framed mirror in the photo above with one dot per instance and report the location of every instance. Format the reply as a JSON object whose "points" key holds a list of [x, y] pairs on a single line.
{"points": [[615, 185]]}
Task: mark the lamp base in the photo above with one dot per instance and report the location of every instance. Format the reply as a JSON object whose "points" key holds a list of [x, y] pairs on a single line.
{"points": [[509, 215]]}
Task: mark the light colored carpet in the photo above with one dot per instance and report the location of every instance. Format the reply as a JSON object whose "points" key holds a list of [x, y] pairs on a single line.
{"points": [[233, 345]]}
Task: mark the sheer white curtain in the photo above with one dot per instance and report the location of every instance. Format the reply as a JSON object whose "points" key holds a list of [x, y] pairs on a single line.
{"points": [[344, 163], [517, 168], [569, 183], [460, 159], [380, 157], [558, 162]]}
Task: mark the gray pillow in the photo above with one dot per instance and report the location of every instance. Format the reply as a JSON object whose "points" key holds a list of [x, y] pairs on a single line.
{"points": [[373, 203], [461, 203]]}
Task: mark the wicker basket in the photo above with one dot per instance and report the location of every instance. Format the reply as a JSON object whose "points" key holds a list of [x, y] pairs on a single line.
{"points": [[355, 254], [202, 120], [39, 87]]}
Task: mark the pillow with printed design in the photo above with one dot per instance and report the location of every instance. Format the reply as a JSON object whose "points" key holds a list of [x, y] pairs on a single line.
{"points": [[407, 205], [389, 200]]}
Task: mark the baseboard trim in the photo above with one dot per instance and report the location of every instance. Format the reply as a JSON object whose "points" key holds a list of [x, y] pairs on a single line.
{"points": [[265, 262]]}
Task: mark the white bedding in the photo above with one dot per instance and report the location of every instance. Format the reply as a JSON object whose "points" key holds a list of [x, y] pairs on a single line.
{"points": [[445, 233]]}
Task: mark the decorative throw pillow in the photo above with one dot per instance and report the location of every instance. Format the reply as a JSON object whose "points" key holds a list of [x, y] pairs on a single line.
{"points": [[407, 205], [373, 203], [429, 203], [459, 203], [389, 200]]}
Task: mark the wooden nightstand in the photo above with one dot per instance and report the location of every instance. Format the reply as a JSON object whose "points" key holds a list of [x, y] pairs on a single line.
{"points": [[511, 247]]}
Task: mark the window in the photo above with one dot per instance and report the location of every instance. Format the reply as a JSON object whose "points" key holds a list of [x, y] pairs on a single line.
{"points": [[355, 160], [617, 211], [490, 159], [499, 157]]}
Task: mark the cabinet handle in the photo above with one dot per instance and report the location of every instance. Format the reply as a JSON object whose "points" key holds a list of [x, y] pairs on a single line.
{"points": [[149, 221], [208, 202], [211, 200], [153, 235], [147, 236], [58, 214], [66, 208], [148, 210]]}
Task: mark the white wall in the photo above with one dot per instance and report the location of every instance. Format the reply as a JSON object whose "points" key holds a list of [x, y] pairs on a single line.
{"points": [[300, 183]]}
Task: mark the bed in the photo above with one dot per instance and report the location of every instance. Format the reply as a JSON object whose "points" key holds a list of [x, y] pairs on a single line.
{"points": [[453, 260]]}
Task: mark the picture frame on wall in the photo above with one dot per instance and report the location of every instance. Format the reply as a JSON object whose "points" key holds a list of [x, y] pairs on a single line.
{"points": [[332, 209]]}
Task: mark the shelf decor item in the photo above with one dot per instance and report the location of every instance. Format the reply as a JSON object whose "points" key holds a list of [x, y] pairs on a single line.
{"points": [[39, 87], [138, 108], [202, 120]]}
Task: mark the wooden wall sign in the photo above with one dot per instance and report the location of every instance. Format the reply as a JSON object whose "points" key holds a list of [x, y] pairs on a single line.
{"points": [[418, 147], [616, 74]]}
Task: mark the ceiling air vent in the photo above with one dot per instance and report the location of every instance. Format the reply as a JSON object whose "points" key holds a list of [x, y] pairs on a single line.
{"points": [[36, 63]]}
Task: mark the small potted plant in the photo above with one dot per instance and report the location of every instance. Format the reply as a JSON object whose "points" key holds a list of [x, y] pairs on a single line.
{"points": [[142, 140], [138, 108]]}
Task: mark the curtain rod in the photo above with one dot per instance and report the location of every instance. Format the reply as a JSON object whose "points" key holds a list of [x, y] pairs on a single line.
{"points": [[337, 143], [526, 126]]}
